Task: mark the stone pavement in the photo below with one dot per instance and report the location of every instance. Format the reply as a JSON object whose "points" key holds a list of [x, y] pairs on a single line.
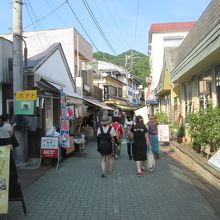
{"points": [[77, 191]]}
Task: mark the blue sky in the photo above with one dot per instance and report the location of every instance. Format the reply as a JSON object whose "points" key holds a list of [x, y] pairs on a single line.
{"points": [[124, 23]]}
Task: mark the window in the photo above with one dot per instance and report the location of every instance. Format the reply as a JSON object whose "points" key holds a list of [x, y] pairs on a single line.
{"points": [[129, 83], [112, 91], [119, 92], [84, 76], [217, 84], [205, 90], [188, 97]]}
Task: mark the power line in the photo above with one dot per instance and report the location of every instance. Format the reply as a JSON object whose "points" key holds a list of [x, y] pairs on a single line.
{"points": [[135, 29], [73, 12], [51, 12], [71, 9], [114, 23], [34, 26], [54, 11], [98, 26], [121, 28]]}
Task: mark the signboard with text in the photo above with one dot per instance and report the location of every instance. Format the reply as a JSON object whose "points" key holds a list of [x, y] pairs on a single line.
{"points": [[24, 102], [26, 95], [49, 147], [163, 133], [214, 161], [4, 178]]}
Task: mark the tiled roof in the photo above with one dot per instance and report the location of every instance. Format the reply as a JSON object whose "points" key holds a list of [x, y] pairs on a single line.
{"points": [[174, 26], [207, 22]]}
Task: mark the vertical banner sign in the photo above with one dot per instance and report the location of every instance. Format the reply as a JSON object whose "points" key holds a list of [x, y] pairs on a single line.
{"points": [[64, 131], [106, 93], [163, 133], [4, 178]]}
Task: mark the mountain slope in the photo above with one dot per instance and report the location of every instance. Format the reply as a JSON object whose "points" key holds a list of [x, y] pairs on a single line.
{"points": [[134, 61]]}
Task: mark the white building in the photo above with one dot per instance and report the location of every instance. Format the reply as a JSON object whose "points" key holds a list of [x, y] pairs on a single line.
{"points": [[6, 73], [76, 49], [128, 90], [163, 35]]}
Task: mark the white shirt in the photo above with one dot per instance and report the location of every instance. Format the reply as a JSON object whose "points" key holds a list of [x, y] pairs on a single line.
{"points": [[105, 130], [4, 133], [8, 128]]}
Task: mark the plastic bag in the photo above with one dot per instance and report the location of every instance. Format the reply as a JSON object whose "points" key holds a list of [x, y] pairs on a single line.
{"points": [[150, 161]]}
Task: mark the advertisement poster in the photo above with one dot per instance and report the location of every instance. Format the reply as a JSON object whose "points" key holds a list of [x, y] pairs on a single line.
{"points": [[163, 133], [49, 147], [214, 161], [4, 178]]}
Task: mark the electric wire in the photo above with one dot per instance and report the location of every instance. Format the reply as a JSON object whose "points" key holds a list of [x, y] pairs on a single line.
{"points": [[98, 26], [115, 29], [38, 23], [136, 24], [73, 12], [29, 14], [43, 17], [55, 11]]}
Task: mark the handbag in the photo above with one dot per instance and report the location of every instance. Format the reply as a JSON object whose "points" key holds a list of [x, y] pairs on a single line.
{"points": [[150, 161], [14, 141]]}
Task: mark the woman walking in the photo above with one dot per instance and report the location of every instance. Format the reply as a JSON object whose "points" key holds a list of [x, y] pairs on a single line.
{"points": [[105, 133], [141, 140], [153, 135]]}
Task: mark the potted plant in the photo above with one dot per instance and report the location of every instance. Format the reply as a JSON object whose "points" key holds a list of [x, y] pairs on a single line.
{"points": [[180, 133], [171, 128]]}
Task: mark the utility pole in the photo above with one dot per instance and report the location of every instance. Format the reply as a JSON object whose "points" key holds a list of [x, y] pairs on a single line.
{"points": [[18, 69]]}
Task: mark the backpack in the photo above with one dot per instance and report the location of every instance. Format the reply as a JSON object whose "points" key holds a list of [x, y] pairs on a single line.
{"points": [[104, 142]]}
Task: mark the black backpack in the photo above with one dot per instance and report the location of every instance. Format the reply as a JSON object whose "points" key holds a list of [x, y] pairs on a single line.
{"points": [[104, 142]]}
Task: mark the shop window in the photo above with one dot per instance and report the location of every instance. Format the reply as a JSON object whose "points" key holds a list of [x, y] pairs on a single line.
{"points": [[205, 90], [217, 80], [112, 91], [84, 76], [48, 113], [129, 83], [119, 92], [188, 98]]}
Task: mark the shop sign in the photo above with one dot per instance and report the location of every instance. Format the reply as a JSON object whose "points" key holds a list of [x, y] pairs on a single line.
{"points": [[24, 107], [152, 102], [4, 178], [26, 95], [163, 133], [49, 147]]}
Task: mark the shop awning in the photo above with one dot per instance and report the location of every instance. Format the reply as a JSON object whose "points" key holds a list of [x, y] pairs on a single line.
{"points": [[57, 85], [124, 105], [97, 103], [152, 102]]}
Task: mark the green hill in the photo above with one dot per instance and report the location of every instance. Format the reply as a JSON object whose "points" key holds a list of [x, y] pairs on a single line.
{"points": [[134, 61]]}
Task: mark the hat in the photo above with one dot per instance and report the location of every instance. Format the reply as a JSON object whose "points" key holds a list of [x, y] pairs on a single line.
{"points": [[106, 120]]}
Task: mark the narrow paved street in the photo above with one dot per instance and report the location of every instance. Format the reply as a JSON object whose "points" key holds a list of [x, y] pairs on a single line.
{"points": [[77, 191]]}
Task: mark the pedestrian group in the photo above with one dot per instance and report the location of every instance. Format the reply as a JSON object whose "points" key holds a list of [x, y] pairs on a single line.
{"points": [[139, 137]]}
